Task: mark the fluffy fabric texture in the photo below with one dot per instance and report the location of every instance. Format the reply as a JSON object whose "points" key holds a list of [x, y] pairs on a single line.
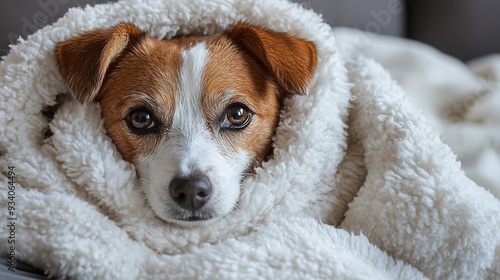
{"points": [[354, 153], [460, 100]]}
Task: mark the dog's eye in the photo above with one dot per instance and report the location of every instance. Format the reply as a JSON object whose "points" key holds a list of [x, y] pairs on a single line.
{"points": [[140, 121], [237, 116]]}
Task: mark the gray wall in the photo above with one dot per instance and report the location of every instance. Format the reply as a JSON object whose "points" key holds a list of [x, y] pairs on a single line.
{"points": [[24, 17], [379, 16], [465, 29], [462, 28]]}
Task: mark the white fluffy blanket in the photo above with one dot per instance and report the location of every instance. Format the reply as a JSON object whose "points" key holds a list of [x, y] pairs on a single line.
{"points": [[460, 100], [360, 186]]}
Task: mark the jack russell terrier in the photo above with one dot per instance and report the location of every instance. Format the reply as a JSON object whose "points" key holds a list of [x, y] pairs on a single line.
{"points": [[194, 115]]}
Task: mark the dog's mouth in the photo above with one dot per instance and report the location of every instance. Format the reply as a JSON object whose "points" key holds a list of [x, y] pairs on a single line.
{"points": [[196, 219], [192, 217], [192, 220]]}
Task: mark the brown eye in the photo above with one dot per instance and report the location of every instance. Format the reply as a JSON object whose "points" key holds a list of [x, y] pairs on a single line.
{"points": [[238, 116], [140, 121]]}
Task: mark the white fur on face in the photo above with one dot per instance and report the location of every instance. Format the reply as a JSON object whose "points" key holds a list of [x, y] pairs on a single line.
{"points": [[192, 148]]}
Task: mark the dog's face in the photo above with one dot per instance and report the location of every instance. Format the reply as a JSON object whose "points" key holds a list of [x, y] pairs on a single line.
{"points": [[194, 114]]}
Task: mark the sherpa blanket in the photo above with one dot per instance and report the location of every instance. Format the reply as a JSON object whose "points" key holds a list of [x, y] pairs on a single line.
{"points": [[359, 186], [459, 100]]}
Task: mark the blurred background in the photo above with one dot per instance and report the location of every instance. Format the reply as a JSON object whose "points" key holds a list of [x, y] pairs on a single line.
{"points": [[462, 28]]}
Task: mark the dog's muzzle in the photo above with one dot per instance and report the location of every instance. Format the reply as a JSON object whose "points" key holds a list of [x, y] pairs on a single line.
{"points": [[192, 192]]}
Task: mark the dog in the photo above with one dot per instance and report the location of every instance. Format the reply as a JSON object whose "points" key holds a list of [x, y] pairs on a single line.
{"points": [[195, 114]]}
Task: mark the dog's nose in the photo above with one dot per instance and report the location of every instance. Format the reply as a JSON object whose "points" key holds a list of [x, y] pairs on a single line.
{"points": [[191, 193]]}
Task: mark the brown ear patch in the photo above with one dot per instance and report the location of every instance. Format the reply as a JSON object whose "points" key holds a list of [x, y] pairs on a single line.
{"points": [[84, 60], [291, 60]]}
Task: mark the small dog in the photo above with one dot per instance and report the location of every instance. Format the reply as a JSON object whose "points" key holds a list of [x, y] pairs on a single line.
{"points": [[192, 114]]}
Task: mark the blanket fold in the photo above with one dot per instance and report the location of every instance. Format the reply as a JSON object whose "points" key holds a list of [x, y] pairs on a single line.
{"points": [[415, 187], [359, 186]]}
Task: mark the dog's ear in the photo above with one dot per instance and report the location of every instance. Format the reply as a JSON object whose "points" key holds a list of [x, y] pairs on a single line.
{"points": [[291, 60], [84, 60]]}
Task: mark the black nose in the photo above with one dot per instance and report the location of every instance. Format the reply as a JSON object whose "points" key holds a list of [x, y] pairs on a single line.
{"points": [[191, 193]]}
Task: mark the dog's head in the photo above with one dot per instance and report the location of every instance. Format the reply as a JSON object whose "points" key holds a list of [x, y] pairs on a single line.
{"points": [[192, 114]]}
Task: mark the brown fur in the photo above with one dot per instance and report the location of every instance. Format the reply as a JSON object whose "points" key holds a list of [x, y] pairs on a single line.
{"points": [[119, 66]]}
